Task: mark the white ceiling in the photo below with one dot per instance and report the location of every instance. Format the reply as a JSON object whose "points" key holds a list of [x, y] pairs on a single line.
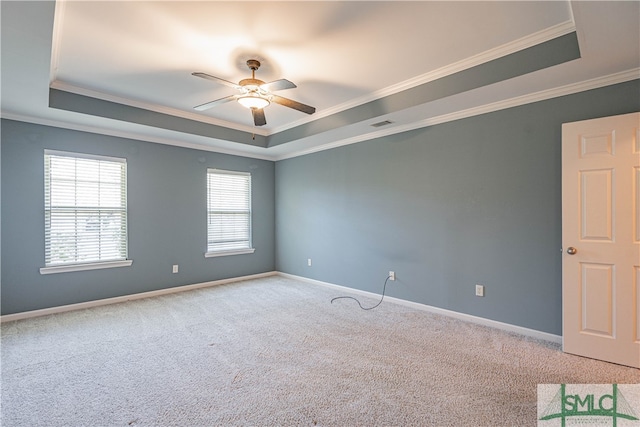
{"points": [[340, 54]]}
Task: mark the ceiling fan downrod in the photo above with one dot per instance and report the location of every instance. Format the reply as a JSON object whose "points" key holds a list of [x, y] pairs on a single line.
{"points": [[253, 65]]}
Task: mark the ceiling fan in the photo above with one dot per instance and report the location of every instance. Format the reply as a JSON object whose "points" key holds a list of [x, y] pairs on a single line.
{"points": [[255, 94]]}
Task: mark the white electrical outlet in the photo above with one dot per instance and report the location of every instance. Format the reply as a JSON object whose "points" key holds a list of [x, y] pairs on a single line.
{"points": [[392, 275], [309, 262], [479, 290], [175, 268]]}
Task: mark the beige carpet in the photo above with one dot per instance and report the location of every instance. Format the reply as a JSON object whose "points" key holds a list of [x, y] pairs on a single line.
{"points": [[275, 352]]}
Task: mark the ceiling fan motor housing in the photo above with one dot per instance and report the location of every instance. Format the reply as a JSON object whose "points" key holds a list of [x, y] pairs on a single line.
{"points": [[252, 85], [250, 82]]}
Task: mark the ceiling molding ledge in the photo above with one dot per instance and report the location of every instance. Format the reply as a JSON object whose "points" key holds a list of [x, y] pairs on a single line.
{"points": [[622, 77], [525, 42], [133, 135], [66, 87], [596, 83], [58, 19], [556, 51], [94, 107]]}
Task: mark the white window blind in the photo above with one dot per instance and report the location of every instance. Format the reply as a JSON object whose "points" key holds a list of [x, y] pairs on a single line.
{"points": [[228, 211], [85, 209]]}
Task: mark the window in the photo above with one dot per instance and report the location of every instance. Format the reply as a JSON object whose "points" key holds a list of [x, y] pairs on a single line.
{"points": [[85, 211], [228, 213]]}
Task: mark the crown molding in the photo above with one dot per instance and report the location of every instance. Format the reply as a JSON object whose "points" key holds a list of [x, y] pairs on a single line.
{"points": [[492, 54], [133, 135], [67, 87], [481, 58], [473, 61], [54, 83], [570, 89]]}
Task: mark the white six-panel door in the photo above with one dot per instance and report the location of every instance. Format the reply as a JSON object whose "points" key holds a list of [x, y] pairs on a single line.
{"points": [[601, 238]]}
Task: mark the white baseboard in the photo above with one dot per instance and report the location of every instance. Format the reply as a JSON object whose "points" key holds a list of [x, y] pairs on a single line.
{"points": [[462, 316], [125, 298]]}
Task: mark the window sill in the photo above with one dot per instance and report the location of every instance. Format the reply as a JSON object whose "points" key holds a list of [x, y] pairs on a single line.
{"points": [[84, 267], [226, 253]]}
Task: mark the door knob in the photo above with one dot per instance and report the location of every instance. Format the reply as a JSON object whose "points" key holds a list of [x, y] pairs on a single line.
{"points": [[571, 250]]}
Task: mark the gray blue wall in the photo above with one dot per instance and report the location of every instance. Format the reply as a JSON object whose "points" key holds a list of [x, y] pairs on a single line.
{"points": [[167, 218], [477, 200], [472, 201]]}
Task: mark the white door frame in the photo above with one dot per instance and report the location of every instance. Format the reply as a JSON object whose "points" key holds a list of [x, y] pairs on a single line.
{"points": [[601, 238]]}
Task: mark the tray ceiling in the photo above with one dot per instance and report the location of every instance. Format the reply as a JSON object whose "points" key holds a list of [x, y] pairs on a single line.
{"points": [[124, 68]]}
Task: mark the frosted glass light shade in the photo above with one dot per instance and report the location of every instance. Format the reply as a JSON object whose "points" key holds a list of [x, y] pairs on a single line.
{"points": [[253, 101]]}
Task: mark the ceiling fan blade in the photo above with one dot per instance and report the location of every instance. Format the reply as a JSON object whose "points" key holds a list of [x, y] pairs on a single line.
{"points": [[278, 85], [293, 104], [258, 117], [216, 79], [211, 104]]}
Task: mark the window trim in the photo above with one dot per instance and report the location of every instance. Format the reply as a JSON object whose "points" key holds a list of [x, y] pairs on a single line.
{"points": [[92, 265], [229, 252], [84, 267], [84, 156]]}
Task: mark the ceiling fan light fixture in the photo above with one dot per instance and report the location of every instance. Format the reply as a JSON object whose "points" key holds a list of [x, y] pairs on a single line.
{"points": [[255, 94], [253, 100]]}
